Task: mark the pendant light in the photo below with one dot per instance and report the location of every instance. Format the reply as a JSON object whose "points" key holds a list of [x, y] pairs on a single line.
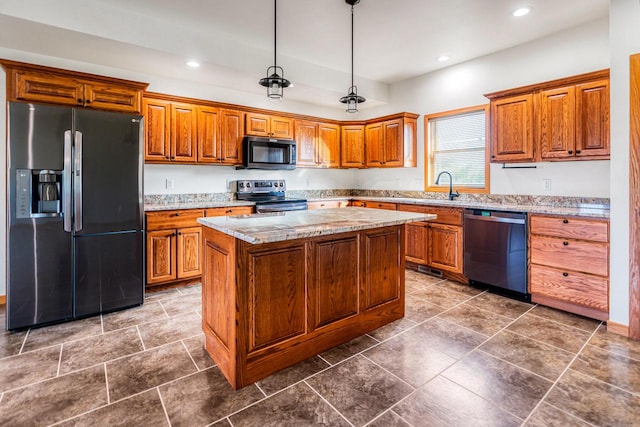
{"points": [[274, 82], [352, 99]]}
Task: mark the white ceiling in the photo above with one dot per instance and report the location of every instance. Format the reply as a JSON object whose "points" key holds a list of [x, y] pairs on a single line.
{"points": [[394, 39]]}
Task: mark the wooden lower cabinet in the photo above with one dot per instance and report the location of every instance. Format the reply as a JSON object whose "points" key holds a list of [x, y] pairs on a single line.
{"points": [[269, 306], [569, 264], [174, 243], [437, 244]]}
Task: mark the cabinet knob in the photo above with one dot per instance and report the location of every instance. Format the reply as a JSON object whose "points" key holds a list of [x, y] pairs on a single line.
{"points": [[565, 274], [565, 221], [565, 243], [179, 233], [493, 157], [570, 151], [79, 100], [88, 101], [176, 214], [577, 151]]}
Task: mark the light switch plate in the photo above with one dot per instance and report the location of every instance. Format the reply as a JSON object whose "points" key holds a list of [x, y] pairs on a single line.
{"points": [[547, 184], [168, 183]]}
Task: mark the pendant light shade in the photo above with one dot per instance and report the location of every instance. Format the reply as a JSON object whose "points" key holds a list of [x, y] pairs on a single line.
{"points": [[352, 99], [275, 81]]}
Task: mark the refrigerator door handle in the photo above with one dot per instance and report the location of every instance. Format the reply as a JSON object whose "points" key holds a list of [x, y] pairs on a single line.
{"points": [[66, 182], [77, 182]]}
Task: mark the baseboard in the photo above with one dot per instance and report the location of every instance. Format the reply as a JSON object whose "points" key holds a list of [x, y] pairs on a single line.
{"points": [[3, 299], [618, 328]]}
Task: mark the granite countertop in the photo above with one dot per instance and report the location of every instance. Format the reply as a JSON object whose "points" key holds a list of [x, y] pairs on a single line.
{"points": [[148, 207], [275, 227], [592, 211]]}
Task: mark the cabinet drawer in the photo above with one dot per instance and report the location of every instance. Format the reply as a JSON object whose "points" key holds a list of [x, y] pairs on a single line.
{"points": [[173, 219], [327, 204], [573, 228], [576, 288], [575, 255], [375, 205], [229, 210]]}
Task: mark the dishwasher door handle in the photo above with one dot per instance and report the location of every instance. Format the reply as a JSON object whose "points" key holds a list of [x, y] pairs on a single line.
{"points": [[495, 219]]}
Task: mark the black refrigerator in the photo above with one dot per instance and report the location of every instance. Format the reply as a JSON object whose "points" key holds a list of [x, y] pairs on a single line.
{"points": [[75, 219]]}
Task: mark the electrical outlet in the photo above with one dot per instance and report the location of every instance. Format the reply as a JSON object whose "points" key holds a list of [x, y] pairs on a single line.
{"points": [[547, 184], [168, 183]]}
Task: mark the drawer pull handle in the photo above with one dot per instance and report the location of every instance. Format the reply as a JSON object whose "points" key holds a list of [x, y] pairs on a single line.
{"points": [[565, 243], [565, 274], [176, 214], [565, 221]]}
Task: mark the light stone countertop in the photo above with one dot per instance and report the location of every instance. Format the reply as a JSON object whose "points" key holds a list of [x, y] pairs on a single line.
{"points": [[591, 211], [276, 227]]}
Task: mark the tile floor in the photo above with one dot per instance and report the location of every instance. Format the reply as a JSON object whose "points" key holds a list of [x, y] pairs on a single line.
{"points": [[460, 357]]}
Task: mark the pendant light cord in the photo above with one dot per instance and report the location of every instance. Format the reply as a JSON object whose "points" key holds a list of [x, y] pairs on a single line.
{"points": [[352, 46], [275, 27]]}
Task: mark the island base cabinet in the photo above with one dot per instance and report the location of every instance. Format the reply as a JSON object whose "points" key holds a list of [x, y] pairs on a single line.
{"points": [[269, 306]]}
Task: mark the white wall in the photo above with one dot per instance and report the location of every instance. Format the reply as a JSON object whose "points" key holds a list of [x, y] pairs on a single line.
{"points": [[575, 51], [625, 40]]}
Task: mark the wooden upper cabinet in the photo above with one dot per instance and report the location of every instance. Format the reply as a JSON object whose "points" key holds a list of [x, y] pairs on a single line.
{"points": [[270, 126], [306, 140], [157, 130], [34, 83], [592, 119], [391, 143], [209, 147], [184, 132], [329, 145], [565, 119], [556, 122], [231, 135], [352, 146], [511, 129]]}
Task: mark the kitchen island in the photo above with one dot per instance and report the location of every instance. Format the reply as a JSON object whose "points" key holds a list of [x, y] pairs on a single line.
{"points": [[280, 288]]}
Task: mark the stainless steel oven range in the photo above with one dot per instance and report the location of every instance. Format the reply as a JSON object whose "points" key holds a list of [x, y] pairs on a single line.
{"points": [[269, 196]]}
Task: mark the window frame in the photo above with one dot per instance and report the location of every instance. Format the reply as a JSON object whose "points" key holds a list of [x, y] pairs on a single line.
{"points": [[427, 151]]}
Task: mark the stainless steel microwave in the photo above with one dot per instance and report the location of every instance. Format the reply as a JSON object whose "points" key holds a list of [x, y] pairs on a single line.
{"points": [[268, 153]]}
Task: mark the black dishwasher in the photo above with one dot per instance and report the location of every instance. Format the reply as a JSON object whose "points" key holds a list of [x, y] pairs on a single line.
{"points": [[495, 250]]}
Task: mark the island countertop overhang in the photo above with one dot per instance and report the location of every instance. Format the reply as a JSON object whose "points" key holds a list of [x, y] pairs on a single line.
{"points": [[281, 226]]}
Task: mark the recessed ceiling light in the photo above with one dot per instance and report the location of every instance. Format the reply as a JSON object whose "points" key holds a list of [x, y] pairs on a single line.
{"points": [[443, 58], [522, 11], [192, 63]]}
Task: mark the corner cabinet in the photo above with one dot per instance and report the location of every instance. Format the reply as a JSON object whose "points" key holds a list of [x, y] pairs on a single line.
{"points": [[34, 83], [569, 264], [391, 141], [564, 119], [318, 144]]}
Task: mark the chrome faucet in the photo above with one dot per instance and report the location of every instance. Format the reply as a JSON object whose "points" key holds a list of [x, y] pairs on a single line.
{"points": [[452, 195]]}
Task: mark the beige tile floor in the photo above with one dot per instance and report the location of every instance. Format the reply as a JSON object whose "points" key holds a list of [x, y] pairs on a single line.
{"points": [[460, 357]]}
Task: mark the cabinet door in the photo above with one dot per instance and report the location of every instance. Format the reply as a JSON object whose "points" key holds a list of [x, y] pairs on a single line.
{"points": [[384, 261], [393, 143], [281, 127], [416, 242], [592, 119], [307, 154], [511, 132], [48, 89], [157, 129], [556, 123], [161, 256], [110, 97], [374, 145], [352, 147], [189, 261], [231, 134], [209, 147], [329, 145], [445, 247], [257, 124], [184, 132]]}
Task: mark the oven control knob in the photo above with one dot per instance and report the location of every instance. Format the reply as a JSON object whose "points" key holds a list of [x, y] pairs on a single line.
{"points": [[281, 184], [241, 184], [248, 184]]}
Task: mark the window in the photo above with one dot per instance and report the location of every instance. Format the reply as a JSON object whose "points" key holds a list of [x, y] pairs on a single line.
{"points": [[457, 143]]}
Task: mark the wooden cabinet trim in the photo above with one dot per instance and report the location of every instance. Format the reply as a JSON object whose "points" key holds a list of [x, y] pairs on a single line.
{"points": [[565, 81]]}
